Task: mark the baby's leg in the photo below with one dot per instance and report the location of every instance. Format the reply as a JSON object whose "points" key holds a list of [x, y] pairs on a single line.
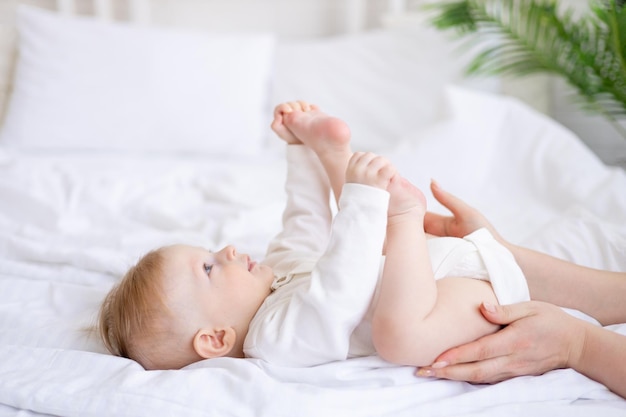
{"points": [[454, 321], [407, 290], [327, 136], [415, 317]]}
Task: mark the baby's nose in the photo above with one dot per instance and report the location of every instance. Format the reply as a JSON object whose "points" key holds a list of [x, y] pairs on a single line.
{"points": [[229, 252]]}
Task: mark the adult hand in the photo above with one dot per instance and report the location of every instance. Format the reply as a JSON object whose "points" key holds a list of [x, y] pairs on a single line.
{"points": [[539, 337], [465, 219]]}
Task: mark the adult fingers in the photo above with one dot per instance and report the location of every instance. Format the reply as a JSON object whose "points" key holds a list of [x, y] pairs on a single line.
{"points": [[494, 345], [456, 206], [485, 372], [506, 314], [501, 343]]}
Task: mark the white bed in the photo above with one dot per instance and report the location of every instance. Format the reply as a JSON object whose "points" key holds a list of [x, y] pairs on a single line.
{"points": [[79, 204]]}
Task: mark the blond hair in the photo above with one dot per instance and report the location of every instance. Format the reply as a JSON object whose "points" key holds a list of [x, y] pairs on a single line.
{"points": [[134, 309]]}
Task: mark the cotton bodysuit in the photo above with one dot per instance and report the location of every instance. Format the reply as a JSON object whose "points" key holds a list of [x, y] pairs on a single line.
{"points": [[327, 269]]}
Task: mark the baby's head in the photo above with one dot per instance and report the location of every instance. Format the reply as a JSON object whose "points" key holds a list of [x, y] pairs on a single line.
{"points": [[181, 304]]}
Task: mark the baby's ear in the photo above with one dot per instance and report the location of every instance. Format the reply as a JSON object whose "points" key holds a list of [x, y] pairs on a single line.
{"points": [[214, 343]]}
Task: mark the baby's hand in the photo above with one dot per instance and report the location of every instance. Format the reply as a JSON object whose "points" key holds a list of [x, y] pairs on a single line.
{"points": [[370, 169], [279, 127], [405, 197]]}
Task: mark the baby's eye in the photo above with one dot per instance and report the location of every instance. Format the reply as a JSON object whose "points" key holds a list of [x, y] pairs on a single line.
{"points": [[207, 268]]}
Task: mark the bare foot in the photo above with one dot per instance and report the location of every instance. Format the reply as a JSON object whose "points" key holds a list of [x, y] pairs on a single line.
{"points": [[300, 122], [319, 131], [278, 124], [405, 197]]}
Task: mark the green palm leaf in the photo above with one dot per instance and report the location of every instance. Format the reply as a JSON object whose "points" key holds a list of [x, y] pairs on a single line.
{"points": [[522, 37]]}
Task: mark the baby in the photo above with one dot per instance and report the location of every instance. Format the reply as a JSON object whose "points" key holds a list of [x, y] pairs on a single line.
{"points": [[367, 281]]}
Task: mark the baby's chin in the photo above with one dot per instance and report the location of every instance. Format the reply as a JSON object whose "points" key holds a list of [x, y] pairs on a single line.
{"points": [[266, 273]]}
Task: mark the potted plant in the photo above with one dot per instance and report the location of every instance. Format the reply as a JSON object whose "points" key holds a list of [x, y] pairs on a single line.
{"points": [[522, 37]]}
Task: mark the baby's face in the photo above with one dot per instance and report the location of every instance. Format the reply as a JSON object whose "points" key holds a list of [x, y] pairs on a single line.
{"points": [[214, 288]]}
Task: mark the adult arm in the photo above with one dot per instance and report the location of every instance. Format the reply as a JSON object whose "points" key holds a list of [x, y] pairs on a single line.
{"points": [[598, 293], [539, 337]]}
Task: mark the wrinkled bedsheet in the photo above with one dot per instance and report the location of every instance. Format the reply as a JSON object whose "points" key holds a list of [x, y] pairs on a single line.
{"points": [[70, 225]]}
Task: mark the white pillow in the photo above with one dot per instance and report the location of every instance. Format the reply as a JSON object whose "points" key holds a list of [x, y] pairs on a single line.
{"points": [[384, 83], [84, 84]]}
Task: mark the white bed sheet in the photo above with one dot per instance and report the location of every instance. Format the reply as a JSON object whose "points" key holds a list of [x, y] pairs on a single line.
{"points": [[70, 224]]}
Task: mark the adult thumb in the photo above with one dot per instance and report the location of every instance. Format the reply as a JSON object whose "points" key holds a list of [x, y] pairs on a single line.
{"points": [[448, 200], [506, 314]]}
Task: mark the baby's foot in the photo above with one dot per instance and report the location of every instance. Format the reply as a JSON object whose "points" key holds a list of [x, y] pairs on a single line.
{"points": [[278, 124], [319, 131], [405, 198], [301, 122]]}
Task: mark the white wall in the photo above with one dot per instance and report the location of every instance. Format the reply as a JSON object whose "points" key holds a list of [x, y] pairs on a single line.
{"points": [[595, 131]]}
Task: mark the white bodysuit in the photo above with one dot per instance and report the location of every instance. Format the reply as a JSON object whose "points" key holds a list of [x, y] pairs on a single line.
{"points": [[327, 270]]}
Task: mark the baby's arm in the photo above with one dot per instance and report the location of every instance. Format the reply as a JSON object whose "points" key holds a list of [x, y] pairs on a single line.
{"points": [[369, 169], [306, 219], [307, 216], [298, 122], [311, 321]]}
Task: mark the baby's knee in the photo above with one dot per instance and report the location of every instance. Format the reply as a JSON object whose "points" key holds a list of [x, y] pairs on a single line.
{"points": [[389, 340], [401, 344]]}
